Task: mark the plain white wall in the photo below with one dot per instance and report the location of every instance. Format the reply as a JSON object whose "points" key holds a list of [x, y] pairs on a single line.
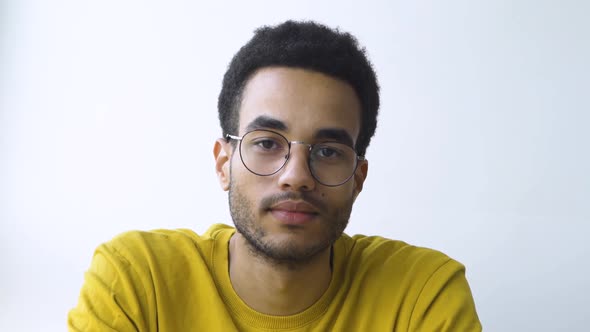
{"points": [[108, 116]]}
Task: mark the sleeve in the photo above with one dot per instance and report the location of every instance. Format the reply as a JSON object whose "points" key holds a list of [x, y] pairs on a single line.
{"points": [[113, 296], [445, 302]]}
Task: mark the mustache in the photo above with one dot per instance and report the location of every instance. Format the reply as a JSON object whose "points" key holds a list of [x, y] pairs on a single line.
{"points": [[269, 201]]}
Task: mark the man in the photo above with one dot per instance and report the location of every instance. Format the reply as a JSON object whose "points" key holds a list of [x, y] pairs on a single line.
{"points": [[298, 108]]}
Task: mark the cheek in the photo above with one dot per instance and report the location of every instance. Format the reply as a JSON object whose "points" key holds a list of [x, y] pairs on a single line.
{"points": [[243, 179], [337, 195], [249, 185]]}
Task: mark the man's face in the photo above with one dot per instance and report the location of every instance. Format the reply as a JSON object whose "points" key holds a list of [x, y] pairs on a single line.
{"points": [[289, 216]]}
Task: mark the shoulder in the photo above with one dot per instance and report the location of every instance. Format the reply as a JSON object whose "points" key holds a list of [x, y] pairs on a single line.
{"points": [[395, 264], [420, 287], [386, 252], [164, 245], [139, 273]]}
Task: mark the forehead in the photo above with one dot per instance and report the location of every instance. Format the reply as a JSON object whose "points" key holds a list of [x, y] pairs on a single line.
{"points": [[304, 101]]}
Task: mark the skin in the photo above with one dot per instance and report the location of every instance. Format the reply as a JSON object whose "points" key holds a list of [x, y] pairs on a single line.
{"points": [[277, 266]]}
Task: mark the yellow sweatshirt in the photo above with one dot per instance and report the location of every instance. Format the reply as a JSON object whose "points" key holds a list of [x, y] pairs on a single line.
{"points": [[176, 281]]}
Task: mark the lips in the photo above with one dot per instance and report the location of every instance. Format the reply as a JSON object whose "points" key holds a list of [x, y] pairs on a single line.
{"points": [[294, 212]]}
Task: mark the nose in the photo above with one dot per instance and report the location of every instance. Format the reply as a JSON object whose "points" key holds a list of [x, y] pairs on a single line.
{"points": [[295, 174]]}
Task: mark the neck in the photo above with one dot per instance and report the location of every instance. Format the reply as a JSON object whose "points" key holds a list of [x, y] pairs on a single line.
{"points": [[274, 288]]}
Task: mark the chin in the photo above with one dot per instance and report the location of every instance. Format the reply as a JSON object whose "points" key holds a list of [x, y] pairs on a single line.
{"points": [[289, 247]]}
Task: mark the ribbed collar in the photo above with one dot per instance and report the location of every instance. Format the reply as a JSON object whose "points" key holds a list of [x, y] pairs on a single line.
{"points": [[248, 316]]}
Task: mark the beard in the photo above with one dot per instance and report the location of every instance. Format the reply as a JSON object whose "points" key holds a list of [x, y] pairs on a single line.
{"points": [[285, 252]]}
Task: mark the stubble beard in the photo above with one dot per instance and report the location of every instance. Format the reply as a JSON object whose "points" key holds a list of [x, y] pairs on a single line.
{"points": [[284, 253]]}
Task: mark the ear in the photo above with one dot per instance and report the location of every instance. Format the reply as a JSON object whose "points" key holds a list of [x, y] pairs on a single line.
{"points": [[222, 151], [360, 175]]}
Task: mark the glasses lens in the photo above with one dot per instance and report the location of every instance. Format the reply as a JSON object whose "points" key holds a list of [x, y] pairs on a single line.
{"points": [[264, 152], [332, 164]]}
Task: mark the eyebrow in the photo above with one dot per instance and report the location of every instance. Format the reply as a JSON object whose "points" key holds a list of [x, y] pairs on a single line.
{"points": [[333, 134], [336, 134], [266, 122]]}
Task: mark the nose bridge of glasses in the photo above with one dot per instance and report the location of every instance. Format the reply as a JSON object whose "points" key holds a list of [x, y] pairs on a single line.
{"points": [[289, 156], [291, 143], [301, 143]]}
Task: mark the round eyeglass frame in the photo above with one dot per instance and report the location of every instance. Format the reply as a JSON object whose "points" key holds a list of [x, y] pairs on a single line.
{"points": [[288, 156]]}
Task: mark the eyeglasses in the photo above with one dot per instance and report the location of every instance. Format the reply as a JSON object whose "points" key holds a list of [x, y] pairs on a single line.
{"points": [[265, 152]]}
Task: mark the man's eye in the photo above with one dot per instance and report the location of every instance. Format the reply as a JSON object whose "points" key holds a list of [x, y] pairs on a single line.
{"points": [[327, 152], [267, 144]]}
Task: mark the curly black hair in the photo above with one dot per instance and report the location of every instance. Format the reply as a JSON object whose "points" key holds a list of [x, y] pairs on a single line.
{"points": [[307, 45]]}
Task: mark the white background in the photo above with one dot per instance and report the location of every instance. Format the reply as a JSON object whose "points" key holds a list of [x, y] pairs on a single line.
{"points": [[108, 118]]}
